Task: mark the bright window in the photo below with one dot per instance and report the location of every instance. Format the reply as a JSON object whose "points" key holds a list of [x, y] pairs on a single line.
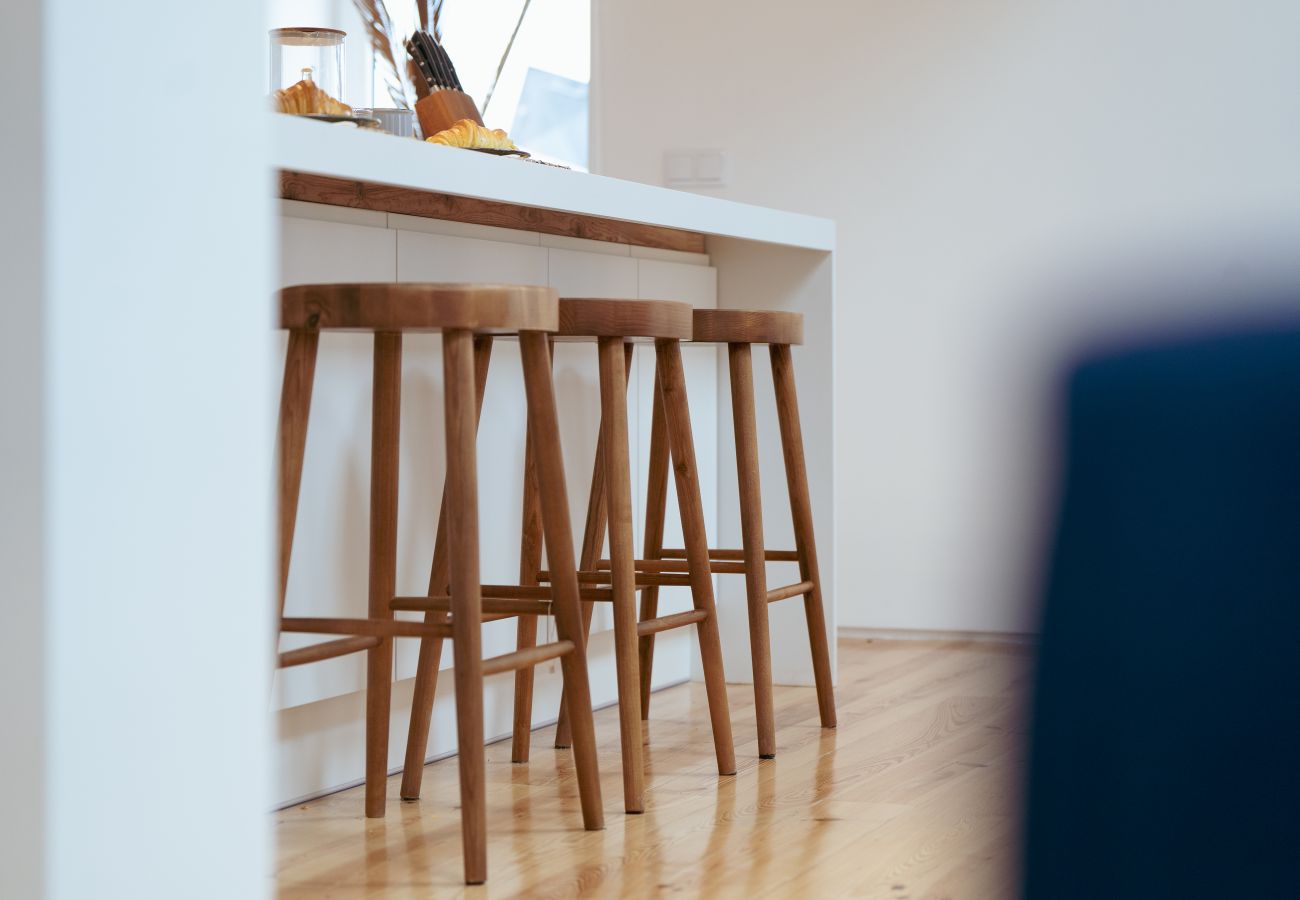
{"points": [[541, 96]]}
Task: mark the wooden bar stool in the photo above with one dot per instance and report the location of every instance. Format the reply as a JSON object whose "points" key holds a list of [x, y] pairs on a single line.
{"points": [[615, 325], [467, 316], [739, 329]]}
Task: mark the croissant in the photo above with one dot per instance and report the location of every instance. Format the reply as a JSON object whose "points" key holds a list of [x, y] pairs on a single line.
{"points": [[468, 133], [306, 99]]}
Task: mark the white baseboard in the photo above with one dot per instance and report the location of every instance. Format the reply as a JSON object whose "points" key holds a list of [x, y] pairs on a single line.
{"points": [[921, 634]]}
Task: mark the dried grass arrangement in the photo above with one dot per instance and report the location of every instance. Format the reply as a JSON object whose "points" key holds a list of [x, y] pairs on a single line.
{"points": [[402, 81]]}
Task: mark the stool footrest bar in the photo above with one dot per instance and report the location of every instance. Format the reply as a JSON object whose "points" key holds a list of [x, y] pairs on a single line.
{"points": [[643, 579], [676, 566], [542, 592], [790, 590], [505, 606], [523, 659], [370, 627], [732, 555], [676, 620], [327, 650]]}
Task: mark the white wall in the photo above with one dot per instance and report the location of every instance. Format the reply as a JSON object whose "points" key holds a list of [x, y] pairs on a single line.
{"points": [[135, 513], [975, 156]]}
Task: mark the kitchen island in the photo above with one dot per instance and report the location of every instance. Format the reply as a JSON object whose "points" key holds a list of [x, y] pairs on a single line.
{"points": [[359, 206]]}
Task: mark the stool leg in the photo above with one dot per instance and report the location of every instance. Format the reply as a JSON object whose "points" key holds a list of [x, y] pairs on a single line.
{"points": [[796, 475], [530, 562], [426, 669], [593, 542], [618, 494], [751, 530], [672, 382], [554, 503], [295, 406], [656, 503], [466, 605], [384, 453]]}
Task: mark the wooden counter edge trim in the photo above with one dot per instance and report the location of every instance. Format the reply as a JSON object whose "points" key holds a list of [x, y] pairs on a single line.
{"points": [[430, 205]]}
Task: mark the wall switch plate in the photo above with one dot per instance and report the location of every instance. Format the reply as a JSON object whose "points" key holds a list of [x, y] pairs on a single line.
{"points": [[679, 167], [695, 168]]}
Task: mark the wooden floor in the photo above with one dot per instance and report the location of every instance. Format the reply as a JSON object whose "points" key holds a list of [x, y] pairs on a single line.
{"points": [[914, 796]]}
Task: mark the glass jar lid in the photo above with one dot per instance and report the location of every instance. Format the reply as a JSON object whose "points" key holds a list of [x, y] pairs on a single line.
{"points": [[308, 37]]}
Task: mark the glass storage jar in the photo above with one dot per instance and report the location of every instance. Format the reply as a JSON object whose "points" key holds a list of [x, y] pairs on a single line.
{"points": [[311, 54]]}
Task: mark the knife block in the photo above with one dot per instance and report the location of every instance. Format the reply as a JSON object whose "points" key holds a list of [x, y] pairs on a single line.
{"points": [[443, 109]]}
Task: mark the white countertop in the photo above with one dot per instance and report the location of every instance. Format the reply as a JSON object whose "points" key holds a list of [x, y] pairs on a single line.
{"points": [[301, 145]]}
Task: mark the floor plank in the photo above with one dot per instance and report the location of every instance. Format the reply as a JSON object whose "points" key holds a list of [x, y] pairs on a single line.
{"points": [[915, 795]]}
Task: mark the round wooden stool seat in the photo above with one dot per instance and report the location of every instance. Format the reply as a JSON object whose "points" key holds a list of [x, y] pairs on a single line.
{"points": [[588, 317], [386, 307], [748, 326]]}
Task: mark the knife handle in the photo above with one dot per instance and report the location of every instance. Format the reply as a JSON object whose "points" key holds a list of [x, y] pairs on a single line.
{"points": [[421, 63]]}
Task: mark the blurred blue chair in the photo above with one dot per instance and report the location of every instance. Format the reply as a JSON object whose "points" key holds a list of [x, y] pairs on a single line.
{"points": [[1165, 747]]}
